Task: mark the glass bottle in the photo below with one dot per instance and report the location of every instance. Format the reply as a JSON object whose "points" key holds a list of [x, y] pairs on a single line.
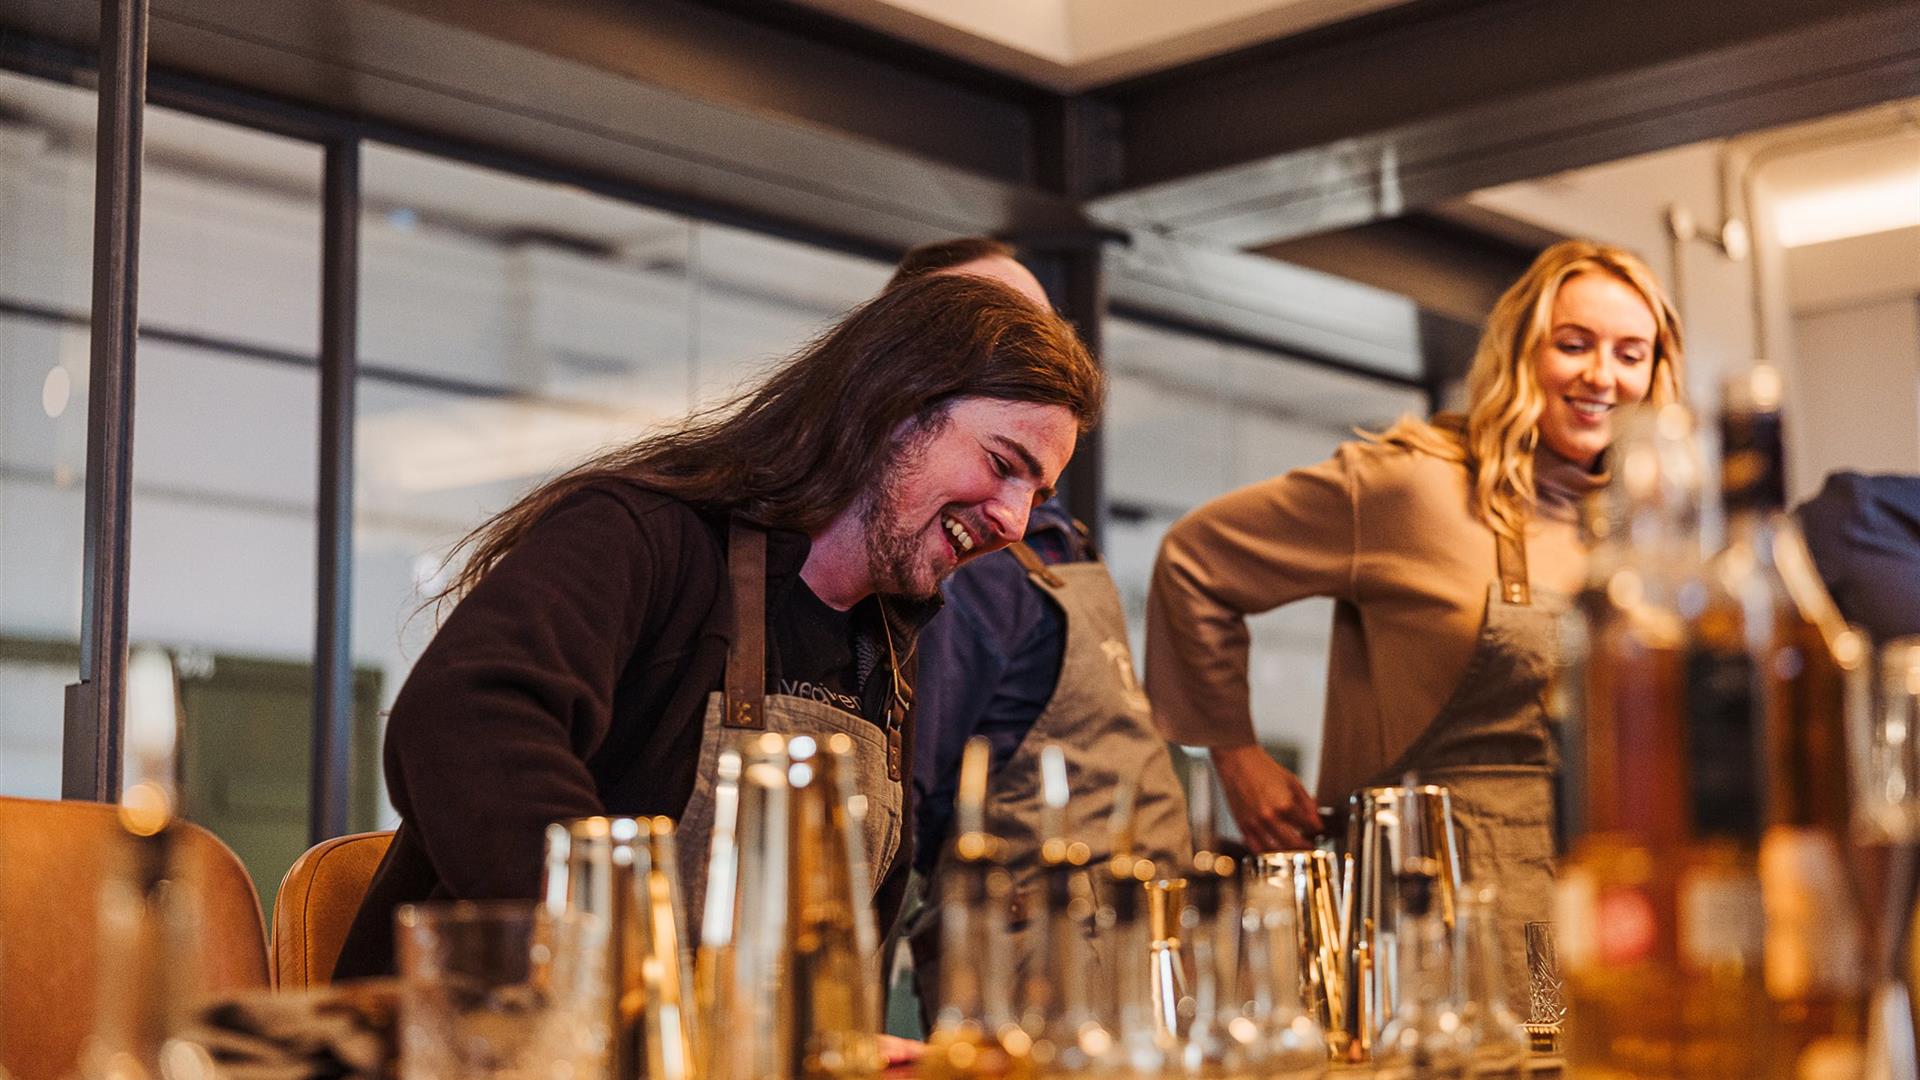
{"points": [[832, 962], [1812, 670], [747, 1014], [1425, 1038], [1657, 898], [149, 930], [974, 1036], [1221, 1040]]}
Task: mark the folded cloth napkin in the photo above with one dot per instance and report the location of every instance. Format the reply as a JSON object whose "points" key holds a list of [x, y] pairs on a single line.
{"points": [[344, 1033]]}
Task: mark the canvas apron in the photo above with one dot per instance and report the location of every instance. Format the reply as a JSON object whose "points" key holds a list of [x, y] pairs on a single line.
{"points": [[1100, 719], [1490, 745], [745, 709]]}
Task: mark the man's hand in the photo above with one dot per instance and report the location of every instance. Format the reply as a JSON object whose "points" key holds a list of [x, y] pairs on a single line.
{"points": [[1272, 807]]}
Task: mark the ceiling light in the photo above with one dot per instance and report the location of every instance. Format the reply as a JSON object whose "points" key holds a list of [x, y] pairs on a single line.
{"points": [[1843, 211]]}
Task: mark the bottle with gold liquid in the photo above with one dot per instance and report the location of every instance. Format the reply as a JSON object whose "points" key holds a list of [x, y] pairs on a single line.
{"points": [[1812, 670], [974, 1036], [1657, 912]]}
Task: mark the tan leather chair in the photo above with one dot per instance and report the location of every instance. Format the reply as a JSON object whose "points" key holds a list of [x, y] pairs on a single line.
{"points": [[315, 908], [53, 858]]}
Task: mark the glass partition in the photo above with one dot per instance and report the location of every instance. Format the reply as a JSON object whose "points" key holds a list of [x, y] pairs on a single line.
{"points": [[1188, 419]]}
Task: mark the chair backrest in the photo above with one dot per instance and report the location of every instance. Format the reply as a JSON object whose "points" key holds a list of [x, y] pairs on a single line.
{"points": [[54, 857], [317, 902]]}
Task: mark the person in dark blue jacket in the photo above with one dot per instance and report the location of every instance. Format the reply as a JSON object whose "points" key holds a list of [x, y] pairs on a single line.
{"points": [[1864, 532], [1029, 651]]}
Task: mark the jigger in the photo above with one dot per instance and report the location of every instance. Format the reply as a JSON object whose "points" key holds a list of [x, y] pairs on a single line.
{"points": [[1388, 829], [1310, 886]]}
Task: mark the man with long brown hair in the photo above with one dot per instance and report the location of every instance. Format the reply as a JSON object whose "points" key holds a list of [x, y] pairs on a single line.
{"points": [[766, 564]]}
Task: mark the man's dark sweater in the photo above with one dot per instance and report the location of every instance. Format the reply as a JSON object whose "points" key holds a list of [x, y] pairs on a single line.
{"points": [[571, 682]]}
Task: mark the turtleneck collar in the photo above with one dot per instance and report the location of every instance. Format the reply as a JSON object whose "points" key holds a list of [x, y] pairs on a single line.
{"points": [[1560, 485]]}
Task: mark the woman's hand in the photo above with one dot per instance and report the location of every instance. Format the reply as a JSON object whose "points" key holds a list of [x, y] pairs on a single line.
{"points": [[1273, 808], [902, 1054]]}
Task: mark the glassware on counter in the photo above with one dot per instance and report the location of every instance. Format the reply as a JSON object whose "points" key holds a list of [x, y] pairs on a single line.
{"points": [[1425, 1037], [1497, 1039], [974, 1035], [1290, 1041], [471, 1007], [1059, 1015], [615, 932]]}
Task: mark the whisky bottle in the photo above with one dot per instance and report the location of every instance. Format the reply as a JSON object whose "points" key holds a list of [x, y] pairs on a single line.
{"points": [[1657, 905], [1811, 669]]}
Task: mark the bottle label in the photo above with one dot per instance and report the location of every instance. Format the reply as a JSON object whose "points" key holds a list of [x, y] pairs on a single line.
{"points": [[1601, 926], [1814, 940], [1575, 896], [1626, 926], [1721, 757], [1722, 921]]}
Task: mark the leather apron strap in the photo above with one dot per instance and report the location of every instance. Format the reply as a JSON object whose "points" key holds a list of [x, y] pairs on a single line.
{"points": [[746, 684], [1511, 555], [1031, 562]]}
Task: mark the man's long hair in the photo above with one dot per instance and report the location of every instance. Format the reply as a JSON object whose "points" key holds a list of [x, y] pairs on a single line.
{"points": [[1500, 432], [799, 448]]}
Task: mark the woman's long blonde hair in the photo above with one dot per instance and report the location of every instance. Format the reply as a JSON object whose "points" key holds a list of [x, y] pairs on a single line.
{"points": [[1500, 432]]}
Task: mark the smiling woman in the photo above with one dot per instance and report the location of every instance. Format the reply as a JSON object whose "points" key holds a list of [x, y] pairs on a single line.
{"points": [[1449, 548]]}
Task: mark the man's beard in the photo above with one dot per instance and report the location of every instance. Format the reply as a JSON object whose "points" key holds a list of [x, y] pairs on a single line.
{"points": [[896, 551]]}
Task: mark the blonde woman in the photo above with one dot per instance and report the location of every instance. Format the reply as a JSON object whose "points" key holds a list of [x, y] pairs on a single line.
{"points": [[1448, 547]]}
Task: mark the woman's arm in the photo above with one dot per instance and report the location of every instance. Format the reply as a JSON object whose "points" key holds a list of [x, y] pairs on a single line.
{"points": [[1246, 552]]}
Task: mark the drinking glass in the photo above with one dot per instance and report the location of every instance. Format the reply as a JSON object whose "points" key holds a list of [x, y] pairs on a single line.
{"points": [[471, 1003]]}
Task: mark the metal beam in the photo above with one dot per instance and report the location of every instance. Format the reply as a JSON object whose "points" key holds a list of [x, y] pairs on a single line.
{"points": [[1434, 100], [332, 733], [693, 106], [1444, 267], [96, 705]]}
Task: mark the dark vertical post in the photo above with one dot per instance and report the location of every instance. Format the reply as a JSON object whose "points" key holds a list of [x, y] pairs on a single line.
{"points": [[333, 602], [96, 705], [1077, 285], [1077, 154]]}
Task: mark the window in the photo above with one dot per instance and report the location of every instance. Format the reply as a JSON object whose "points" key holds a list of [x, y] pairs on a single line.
{"points": [[1189, 419]]}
